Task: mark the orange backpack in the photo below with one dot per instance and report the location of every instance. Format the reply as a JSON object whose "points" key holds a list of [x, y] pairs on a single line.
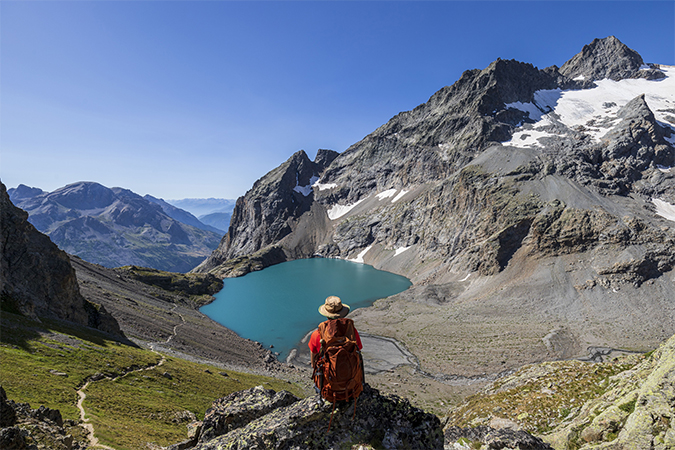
{"points": [[338, 373]]}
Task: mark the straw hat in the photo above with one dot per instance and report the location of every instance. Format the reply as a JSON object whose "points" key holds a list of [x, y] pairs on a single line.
{"points": [[334, 308]]}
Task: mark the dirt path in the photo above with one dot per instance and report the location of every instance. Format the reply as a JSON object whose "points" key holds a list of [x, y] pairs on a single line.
{"points": [[93, 440]]}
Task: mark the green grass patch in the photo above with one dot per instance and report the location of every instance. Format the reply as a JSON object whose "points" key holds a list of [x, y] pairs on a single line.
{"points": [[33, 356], [628, 407], [139, 407], [149, 403]]}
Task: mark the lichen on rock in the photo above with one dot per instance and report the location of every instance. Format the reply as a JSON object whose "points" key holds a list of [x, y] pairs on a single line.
{"points": [[262, 418]]}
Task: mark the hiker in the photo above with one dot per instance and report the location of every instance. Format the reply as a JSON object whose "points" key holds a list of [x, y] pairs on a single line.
{"points": [[336, 356]]}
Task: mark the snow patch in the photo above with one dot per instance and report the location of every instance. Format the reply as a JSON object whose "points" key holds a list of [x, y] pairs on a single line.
{"points": [[544, 102], [400, 250], [664, 209], [322, 187], [338, 211], [529, 137], [398, 197], [466, 277], [593, 111], [305, 190], [386, 194], [663, 169], [359, 258], [577, 108], [529, 108], [671, 139]]}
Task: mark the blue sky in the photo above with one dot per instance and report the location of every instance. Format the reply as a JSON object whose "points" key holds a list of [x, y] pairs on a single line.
{"points": [[200, 99]]}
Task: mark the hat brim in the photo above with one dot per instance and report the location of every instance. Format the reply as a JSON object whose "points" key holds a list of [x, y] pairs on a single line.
{"points": [[342, 313]]}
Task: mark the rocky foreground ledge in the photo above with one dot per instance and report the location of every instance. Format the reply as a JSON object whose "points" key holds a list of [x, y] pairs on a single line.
{"points": [[264, 419]]}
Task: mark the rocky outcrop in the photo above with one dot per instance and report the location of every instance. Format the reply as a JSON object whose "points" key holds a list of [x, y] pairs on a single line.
{"points": [[491, 438], [261, 418], [37, 279], [619, 405], [24, 428], [116, 227], [268, 212], [189, 284], [637, 413]]}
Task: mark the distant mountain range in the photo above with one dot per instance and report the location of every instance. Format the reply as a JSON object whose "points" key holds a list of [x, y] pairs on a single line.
{"points": [[204, 206], [116, 227], [215, 212]]}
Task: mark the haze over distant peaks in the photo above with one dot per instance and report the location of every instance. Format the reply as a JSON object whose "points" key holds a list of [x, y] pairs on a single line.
{"points": [[204, 206]]}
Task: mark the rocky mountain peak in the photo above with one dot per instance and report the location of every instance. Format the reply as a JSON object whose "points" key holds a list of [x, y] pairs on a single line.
{"points": [[83, 195], [115, 227], [509, 81], [603, 58], [22, 192], [272, 204], [325, 157]]}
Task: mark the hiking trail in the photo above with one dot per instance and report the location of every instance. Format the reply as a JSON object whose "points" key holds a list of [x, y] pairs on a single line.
{"points": [[93, 440]]}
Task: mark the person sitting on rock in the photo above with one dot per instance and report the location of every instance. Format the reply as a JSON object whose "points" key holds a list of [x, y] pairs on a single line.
{"points": [[333, 308], [336, 355]]}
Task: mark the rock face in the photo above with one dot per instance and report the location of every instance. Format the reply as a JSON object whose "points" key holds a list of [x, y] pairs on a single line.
{"points": [[637, 413], [116, 227], [36, 278], [269, 211], [261, 418], [515, 196]]}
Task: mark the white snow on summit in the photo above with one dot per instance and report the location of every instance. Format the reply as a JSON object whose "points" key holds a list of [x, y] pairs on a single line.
{"points": [[594, 110]]}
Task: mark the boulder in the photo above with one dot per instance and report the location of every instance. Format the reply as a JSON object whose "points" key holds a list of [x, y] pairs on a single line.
{"points": [[262, 418]]}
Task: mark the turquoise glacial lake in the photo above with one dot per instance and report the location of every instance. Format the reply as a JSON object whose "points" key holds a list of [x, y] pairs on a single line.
{"points": [[279, 305]]}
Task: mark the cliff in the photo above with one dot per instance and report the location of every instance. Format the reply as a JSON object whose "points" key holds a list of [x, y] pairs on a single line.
{"points": [[37, 279]]}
